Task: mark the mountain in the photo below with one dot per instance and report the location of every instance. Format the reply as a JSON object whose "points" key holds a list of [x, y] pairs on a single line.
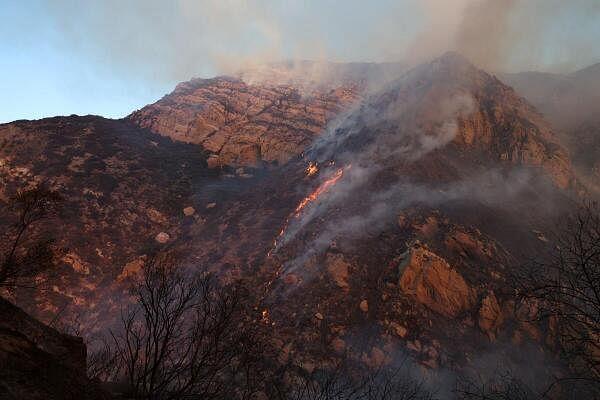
{"points": [[564, 99], [427, 196], [374, 219], [265, 115], [570, 103]]}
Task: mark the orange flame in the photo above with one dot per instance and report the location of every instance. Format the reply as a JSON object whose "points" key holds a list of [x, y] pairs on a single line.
{"points": [[323, 188]]}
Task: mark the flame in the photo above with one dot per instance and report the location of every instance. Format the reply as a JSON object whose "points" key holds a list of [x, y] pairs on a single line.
{"points": [[323, 188]]}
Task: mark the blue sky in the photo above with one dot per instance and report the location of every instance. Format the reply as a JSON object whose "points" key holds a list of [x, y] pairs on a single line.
{"points": [[110, 57]]}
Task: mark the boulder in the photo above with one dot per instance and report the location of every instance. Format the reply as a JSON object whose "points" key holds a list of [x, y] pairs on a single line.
{"points": [[338, 345], [364, 306], [490, 314], [434, 283], [337, 267], [132, 269], [189, 211], [162, 237], [213, 162], [400, 330]]}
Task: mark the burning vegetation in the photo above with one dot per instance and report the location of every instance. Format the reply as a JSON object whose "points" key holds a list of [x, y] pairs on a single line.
{"points": [[323, 188], [311, 198], [312, 169]]}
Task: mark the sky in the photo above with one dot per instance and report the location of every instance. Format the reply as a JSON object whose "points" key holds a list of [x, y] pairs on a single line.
{"points": [[110, 57]]}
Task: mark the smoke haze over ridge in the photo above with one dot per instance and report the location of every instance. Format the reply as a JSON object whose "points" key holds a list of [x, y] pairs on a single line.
{"points": [[133, 52]]}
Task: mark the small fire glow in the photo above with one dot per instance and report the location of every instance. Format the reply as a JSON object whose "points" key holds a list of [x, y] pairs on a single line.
{"points": [[311, 169], [265, 316]]}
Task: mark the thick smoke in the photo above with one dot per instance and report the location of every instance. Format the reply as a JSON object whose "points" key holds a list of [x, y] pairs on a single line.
{"points": [[395, 133], [512, 35], [395, 127], [174, 41]]}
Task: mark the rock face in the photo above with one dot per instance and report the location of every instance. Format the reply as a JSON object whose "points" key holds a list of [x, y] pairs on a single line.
{"points": [[338, 270], [435, 284], [491, 120], [570, 103], [490, 314], [244, 124], [38, 362]]}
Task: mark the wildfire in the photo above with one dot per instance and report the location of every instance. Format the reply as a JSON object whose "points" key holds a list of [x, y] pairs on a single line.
{"points": [[323, 188]]}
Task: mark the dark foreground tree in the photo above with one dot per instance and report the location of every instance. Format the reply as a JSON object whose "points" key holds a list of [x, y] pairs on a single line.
{"points": [[501, 386], [565, 291], [24, 253], [185, 337], [343, 381], [561, 292]]}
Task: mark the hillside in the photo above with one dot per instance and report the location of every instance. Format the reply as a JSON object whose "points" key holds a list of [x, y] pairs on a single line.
{"points": [[372, 222]]}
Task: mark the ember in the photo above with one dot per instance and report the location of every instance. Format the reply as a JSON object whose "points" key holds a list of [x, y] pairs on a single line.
{"points": [[311, 169], [265, 316]]}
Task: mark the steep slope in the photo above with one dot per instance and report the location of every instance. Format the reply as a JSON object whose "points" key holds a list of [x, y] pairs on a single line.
{"points": [[570, 103], [121, 185], [267, 114], [392, 230], [398, 228]]}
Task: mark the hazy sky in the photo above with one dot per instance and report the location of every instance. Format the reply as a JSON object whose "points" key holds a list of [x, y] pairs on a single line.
{"points": [[110, 57]]}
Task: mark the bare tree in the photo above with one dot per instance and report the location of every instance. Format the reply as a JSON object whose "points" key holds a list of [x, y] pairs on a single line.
{"points": [[564, 291], [343, 381], [501, 386], [23, 253], [185, 337]]}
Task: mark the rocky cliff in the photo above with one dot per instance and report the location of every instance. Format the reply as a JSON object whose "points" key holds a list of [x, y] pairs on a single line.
{"points": [[570, 103], [40, 363], [242, 124]]}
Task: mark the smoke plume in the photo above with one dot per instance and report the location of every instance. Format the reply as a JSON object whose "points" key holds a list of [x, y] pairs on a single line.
{"points": [[178, 40]]}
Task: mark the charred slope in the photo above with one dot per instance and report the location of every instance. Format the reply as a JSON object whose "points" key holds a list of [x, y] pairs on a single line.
{"points": [[395, 231], [426, 197], [121, 186]]}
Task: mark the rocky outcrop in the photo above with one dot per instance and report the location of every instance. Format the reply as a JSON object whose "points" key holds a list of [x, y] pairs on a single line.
{"points": [[482, 117], [338, 270], [37, 362], [490, 314], [245, 124], [434, 283], [569, 102]]}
